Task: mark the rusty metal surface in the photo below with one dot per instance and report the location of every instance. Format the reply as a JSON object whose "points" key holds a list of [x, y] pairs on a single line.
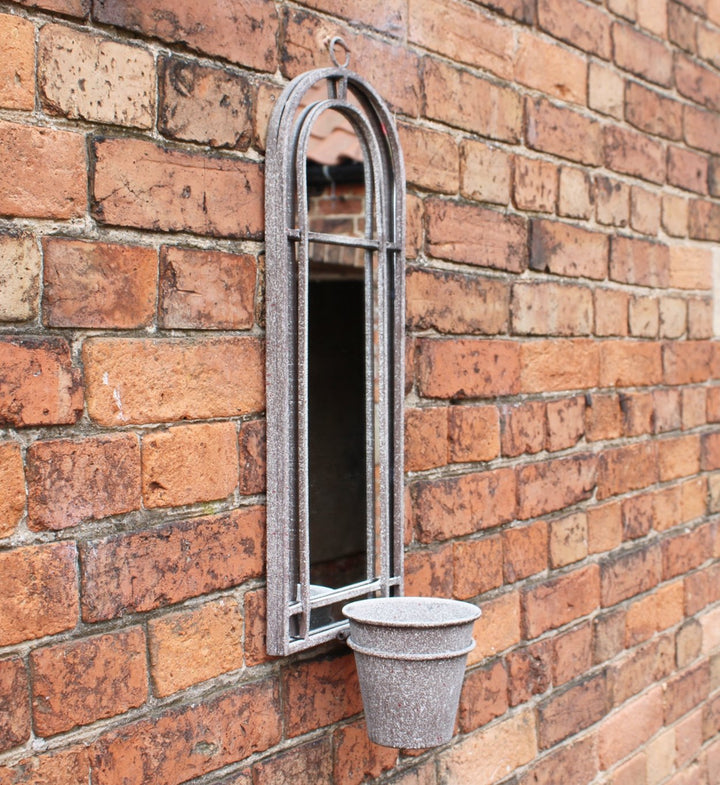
{"points": [[287, 237]]}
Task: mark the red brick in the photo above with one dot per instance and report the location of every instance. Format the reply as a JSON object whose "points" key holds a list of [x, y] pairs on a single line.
{"points": [[678, 457], [477, 566], [704, 220], [485, 172], [687, 362], [474, 235], [74, 481], [140, 571], [484, 697], [603, 417], [67, 767], [525, 551], [238, 31], [565, 249], [198, 103], [413, 226], [576, 194], [553, 485], [673, 317], [640, 668], [320, 692], [630, 363], [68, 7], [681, 26], [255, 613], [686, 551], [466, 368], [206, 289], [464, 34], [356, 757], [685, 690], [675, 215], [15, 723], [295, 764], [701, 589], [529, 672], [642, 55], [138, 184], [606, 90], [523, 428], [702, 129], [710, 724], [388, 17], [630, 727], [426, 438], [654, 613], [700, 318], [668, 416], [711, 451], [563, 132], [583, 26], [17, 70], [637, 515], [153, 380], [544, 365], [535, 184], [12, 481], [461, 99], [605, 527], [653, 112], [195, 645], [633, 153], [608, 635], [639, 262], [689, 738], [546, 308], [560, 600], [453, 303], [625, 469], [708, 44], [568, 539], [429, 572], [117, 81], [393, 70], [688, 170], [39, 592], [611, 312], [645, 210], [694, 495], [79, 682], [565, 423], [570, 711], [553, 70], [520, 10], [253, 456], [20, 266], [498, 628], [98, 284], [612, 198], [463, 505], [697, 83], [573, 763], [431, 159], [189, 741], [572, 654], [629, 573], [42, 172], [473, 433]]}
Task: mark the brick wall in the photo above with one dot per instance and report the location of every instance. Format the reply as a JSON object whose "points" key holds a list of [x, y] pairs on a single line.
{"points": [[563, 437]]}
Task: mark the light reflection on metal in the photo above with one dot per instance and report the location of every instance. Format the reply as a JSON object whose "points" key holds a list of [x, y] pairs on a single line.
{"points": [[288, 237]]}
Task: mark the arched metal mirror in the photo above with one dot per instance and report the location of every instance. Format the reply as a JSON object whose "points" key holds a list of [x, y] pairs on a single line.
{"points": [[334, 221]]}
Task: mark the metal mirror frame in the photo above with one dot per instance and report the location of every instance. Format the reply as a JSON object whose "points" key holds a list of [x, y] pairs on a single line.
{"points": [[287, 238]]}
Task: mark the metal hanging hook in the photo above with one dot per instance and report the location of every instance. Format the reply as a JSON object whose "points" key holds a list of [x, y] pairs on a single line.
{"points": [[335, 42]]}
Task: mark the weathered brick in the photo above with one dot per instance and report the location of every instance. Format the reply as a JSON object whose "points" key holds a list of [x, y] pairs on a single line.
{"points": [[525, 551], [12, 481], [453, 303], [688, 362], [565, 249], [689, 738], [574, 763], [572, 654], [563, 132], [253, 457], [20, 267], [206, 289], [39, 590], [477, 566], [129, 573], [568, 539], [137, 183], [553, 485], [681, 26], [15, 723], [608, 635], [630, 363], [414, 230], [630, 152], [38, 383], [426, 438], [79, 682], [17, 67], [675, 210], [611, 312], [463, 34], [612, 199], [105, 285], [356, 757], [498, 628], [545, 308], [429, 572], [606, 89], [708, 43], [520, 10], [644, 317], [654, 613], [640, 668], [686, 551], [485, 172], [523, 428], [551, 69], [195, 645], [95, 78], [629, 573], [42, 172], [605, 527], [79, 8], [702, 129], [653, 112], [529, 672], [484, 696], [294, 764], [678, 457], [432, 159], [475, 235], [685, 690], [565, 423], [204, 104], [668, 416], [576, 194], [148, 380], [466, 368], [642, 55], [603, 417], [473, 433], [704, 220], [673, 317], [583, 26], [700, 318], [698, 83], [189, 741], [687, 170], [535, 184], [645, 211], [388, 17], [572, 710], [255, 613], [637, 515], [461, 99], [560, 600], [630, 727], [639, 262], [481, 756], [544, 367], [320, 692], [66, 767], [462, 505], [238, 31]]}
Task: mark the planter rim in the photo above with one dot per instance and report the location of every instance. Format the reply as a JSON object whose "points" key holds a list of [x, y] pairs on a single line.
{"points": [[412, 656], [374, 612]]}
